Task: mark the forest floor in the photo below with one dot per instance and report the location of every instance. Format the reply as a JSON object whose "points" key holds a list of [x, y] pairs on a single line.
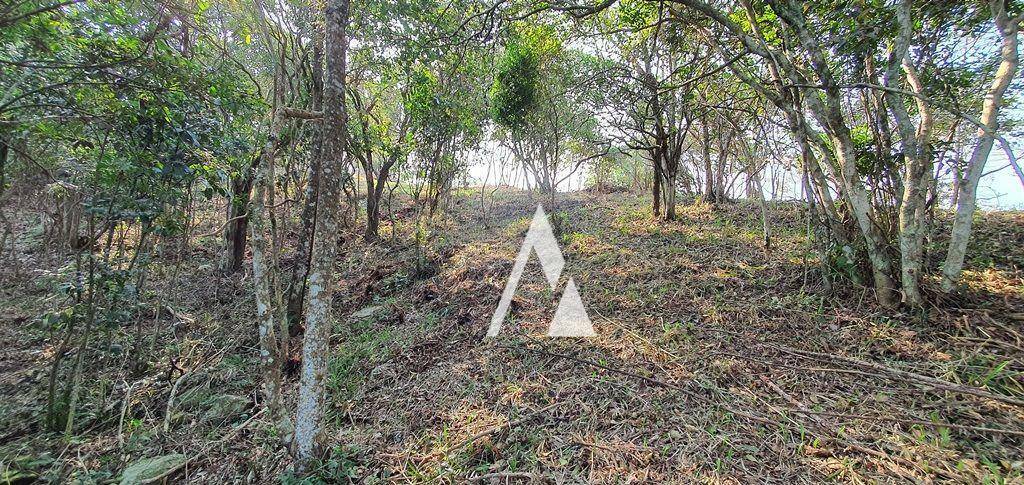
{"points": [[714, 362]]}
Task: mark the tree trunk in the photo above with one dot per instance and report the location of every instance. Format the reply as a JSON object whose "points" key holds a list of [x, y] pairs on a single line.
{"points": [[90, 320], [670, 198], [309, 415], [705, 146], [860, 206], [4, 151], [830, 114], [757, 191], [723, 158], [813, 226], [372, 207], [656, 189], [297, 285], [238, 218], [968, 189], [917, 156], [373, 201], [271, 355]]}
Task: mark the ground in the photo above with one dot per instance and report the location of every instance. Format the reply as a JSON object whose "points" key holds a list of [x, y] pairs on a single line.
{"points": [[715, 360]]}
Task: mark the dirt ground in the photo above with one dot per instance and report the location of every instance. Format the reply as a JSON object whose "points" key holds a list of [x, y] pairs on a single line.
{"points": [[715, 361]]}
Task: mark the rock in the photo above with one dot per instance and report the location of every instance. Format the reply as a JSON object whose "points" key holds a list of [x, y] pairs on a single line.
{"points": [[224, 407], [366, 312], [150, 468]]}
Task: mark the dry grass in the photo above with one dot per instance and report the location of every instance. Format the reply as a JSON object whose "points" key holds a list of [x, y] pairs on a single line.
{"points": [[714, 362]]}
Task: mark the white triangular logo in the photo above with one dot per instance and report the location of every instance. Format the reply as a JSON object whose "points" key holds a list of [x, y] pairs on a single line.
{"points": [[571, 318]]}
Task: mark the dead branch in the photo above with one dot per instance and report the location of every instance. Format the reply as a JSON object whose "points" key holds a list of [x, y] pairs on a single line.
{"points": [[510, 424], [919, 422], [837, 437], [530, 477], [909, 376], [649, 380], [205, 450], [301, 114], [890, 372]]}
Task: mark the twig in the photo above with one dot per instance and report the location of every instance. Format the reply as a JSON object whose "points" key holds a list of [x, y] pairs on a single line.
{"points": [[910, 376], [799, 405], [828, 429], [795, 367], [649, 380], [991, 342], [646, 379], [890, 371], [174, 388], [170, 400], [181, 318], [654, 346], [205, 450], [510, 424], [910, 421], [124, 410], [506, 475]]}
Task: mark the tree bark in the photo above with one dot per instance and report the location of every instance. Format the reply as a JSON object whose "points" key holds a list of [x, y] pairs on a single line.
{"points": [[720, 195], [297, 286], [309, 414], [270, 314], [705, 151], [374, 196], [968, 188], [758, 191], [238, 217], [271, 357], [372, 208], [917, 170], [829, 113], [670, 198], [656, 188]]}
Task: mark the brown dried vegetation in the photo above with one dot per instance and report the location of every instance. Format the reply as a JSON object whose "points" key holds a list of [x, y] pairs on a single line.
{"points": [[714, 362]]}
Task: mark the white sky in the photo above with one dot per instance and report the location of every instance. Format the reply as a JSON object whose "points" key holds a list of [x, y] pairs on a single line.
{"points": [[1000, 190]]}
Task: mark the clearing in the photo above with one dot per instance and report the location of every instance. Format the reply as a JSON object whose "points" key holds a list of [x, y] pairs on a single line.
{"points": [[714, 361]]}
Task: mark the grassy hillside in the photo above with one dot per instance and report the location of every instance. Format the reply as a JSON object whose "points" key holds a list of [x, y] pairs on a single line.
{"points": [[715, 360]]}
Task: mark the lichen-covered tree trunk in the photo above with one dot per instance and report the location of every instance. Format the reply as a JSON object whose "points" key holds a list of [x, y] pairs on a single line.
{"points": [[269, 314], [917, 170], [829, 113], [320, 284], [262, 271], [297, 286], [860, 203], [968, 187]]}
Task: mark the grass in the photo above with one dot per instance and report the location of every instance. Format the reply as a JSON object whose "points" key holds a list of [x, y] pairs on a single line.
{"points": [[695, 303]]}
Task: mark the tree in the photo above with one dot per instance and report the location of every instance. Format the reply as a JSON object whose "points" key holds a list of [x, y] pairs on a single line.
{"points": [[309, 415], [379, 130], [445, 106], [1008, 28], [542, 98]]}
